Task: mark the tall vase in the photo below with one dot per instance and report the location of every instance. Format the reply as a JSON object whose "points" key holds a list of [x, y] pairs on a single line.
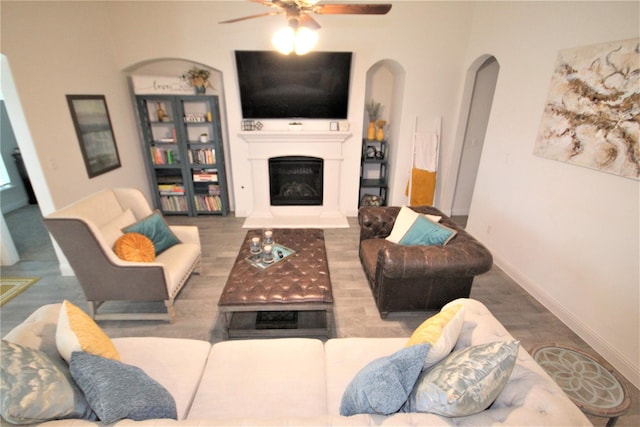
{"points": [[380, 134], [200, 89], [371, 131]]}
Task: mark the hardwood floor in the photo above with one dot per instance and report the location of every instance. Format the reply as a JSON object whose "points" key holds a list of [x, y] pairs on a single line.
{"points": [[355, 310]]}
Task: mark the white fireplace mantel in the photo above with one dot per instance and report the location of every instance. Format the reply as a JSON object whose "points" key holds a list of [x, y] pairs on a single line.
{"points": [[295, 136], [263, 145]]}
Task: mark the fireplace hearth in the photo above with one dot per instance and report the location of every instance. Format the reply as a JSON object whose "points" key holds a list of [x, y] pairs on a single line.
{"points": [[295, 181]]}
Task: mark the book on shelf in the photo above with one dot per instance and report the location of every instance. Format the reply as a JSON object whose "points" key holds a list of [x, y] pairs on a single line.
{"points": [[173, 203], [205, 177], [208, 203], [171, 189], [163, 156], [202, 156]]}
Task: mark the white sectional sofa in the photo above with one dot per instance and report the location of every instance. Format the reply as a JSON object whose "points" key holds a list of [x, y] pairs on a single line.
{"points": [[300, 381]]}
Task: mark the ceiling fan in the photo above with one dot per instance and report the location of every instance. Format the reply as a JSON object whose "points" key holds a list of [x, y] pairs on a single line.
{"points": [[298, 12]]}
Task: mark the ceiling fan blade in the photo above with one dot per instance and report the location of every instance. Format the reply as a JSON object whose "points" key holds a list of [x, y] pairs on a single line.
{"points": [[352, 9], [309, 22], [244, 18]]}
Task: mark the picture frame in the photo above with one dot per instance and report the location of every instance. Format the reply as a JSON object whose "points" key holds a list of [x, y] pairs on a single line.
{"points": [[333, 126], [93, 127]]}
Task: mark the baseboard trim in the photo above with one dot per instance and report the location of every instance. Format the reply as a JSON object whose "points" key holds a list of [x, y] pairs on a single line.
{"points": [[626, 367]]}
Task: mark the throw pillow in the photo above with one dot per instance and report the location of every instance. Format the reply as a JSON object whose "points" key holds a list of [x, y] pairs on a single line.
{"points": [[466, 382], [116, 390], [382, 386], [76, 331], [405, 219], [36, 388], [135, 247], [113, 229], [441, 331], [426, 232], [155, 228]]}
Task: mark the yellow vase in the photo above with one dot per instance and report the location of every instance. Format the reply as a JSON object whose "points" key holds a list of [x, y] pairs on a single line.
{"points": [[380, 134], [371, 132]]}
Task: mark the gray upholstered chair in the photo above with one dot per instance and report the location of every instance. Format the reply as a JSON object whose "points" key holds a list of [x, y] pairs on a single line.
{"points": [[86, 232]]}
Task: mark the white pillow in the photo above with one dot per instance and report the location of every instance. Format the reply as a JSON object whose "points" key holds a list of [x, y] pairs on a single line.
{"points": [[112, 230], [405, 219], [441, 331]]}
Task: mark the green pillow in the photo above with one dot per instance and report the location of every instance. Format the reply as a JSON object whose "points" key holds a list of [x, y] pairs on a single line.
{"points": [[423, 231], [382, 386], [116, 390], [155, 228], [35, 388], [466, 382]]}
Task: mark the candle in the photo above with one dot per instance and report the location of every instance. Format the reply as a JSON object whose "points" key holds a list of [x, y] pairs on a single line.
{"points": [[267, 249]]}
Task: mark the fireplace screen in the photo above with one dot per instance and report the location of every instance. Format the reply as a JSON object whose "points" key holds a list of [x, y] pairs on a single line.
{"points": [[295, 180]]}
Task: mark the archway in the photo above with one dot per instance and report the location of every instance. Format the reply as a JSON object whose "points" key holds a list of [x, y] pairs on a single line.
{"points": [[385, 81], [476, 107], [176, 67]]}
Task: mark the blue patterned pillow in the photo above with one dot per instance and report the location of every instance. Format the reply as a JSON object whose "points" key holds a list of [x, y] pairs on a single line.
{"points": [[155, 228], [423, 231], [35, 388], [116, 390], [382, 386], [466, 382]]}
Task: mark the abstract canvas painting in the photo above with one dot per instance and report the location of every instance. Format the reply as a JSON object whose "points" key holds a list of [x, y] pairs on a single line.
{"points": [[592, 114]]}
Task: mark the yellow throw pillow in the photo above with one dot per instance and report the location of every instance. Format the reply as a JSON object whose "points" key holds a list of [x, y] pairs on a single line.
{"points": [[441, 331], [135, 247], [77, 331]]}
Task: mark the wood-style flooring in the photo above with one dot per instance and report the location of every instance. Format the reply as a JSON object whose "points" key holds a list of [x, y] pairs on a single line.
{"points": [[355, 311]]}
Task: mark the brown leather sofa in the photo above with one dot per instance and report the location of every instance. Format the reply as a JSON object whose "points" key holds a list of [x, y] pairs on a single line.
{"points": [[413, 278]]}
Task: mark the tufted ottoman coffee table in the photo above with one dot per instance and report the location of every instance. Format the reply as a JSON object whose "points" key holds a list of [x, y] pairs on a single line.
{"points": [[298, 283]]}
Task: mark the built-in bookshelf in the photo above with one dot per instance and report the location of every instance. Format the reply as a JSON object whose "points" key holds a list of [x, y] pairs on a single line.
{"points": [[373, 173], [183, 145]]}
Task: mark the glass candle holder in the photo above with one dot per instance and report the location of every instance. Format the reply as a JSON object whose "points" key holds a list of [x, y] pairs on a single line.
{"points": [[267, 255], [255, 245], [268, 237]]}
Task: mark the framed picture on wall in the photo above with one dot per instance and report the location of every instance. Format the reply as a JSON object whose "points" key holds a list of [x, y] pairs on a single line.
{"points": [[95, 133]]}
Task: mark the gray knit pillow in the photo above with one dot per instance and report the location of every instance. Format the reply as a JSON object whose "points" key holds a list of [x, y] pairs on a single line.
{"points": [[116, 390]]}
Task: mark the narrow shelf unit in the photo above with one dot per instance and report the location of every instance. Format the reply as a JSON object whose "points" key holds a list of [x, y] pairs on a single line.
{"points": [[184, 152], [373, 172]]}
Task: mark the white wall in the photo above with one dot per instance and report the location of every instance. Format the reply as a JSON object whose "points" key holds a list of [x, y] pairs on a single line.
{"points": [[431, 48], [569, 235], [61, 48]]}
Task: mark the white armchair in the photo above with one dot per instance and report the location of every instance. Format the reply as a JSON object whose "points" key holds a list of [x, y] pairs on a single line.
{"points": [[86, 232]]}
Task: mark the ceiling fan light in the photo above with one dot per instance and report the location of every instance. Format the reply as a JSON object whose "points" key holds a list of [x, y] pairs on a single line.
{"points": [[284, 40], [306, 40]]}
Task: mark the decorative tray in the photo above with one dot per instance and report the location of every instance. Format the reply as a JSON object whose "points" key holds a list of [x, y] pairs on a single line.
{"points": [[279, 252]]}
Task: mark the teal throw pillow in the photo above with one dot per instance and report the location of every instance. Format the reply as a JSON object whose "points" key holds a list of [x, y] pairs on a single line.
{"points": [[116, 390], [426, 232], [382, 386], [35, 388], [155, 228], [466, 382]]}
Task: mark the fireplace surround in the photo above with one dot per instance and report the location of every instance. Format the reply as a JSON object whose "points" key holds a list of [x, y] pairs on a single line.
{"points": [[264, 145]]}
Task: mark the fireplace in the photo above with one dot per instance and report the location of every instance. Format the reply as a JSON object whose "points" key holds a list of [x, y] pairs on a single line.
{"points": [[323, 145], [295, 181]]}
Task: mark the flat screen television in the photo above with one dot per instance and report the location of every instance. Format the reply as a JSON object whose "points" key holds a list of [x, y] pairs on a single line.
{"points": [[277, 86]]}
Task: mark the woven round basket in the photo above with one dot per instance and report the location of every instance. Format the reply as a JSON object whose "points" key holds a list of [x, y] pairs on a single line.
{"points": [[135, 247]]}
